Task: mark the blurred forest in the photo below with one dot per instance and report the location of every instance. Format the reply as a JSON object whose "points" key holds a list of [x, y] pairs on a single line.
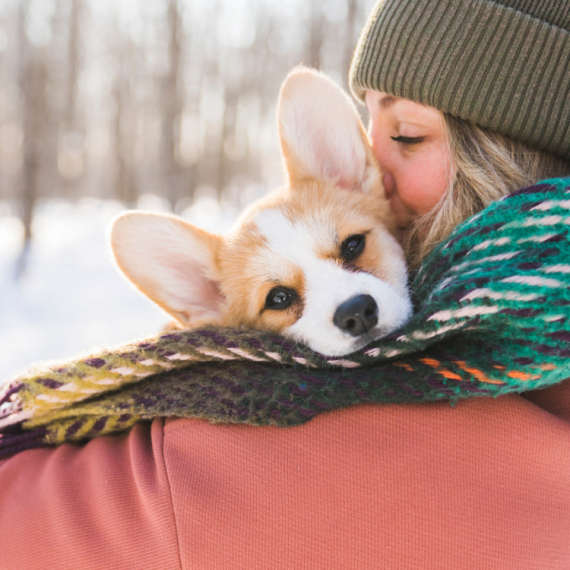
{"points": [[122, 98]]}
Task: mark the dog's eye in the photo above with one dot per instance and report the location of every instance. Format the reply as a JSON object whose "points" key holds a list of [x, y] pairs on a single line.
{"points": [[279, 298], [352, 247]]}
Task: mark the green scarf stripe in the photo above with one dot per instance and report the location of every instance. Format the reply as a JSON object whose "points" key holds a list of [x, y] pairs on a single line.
{"points": [[492, 309]]}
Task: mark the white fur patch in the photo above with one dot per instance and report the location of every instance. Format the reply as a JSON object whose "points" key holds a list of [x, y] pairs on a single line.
{"points": [[327, 285]]}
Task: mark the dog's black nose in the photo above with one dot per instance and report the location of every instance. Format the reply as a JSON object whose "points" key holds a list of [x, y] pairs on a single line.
{"points": [[357, 315]]}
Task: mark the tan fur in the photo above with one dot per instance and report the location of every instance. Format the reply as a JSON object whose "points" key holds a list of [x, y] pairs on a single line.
{"points": [[244, 275]]}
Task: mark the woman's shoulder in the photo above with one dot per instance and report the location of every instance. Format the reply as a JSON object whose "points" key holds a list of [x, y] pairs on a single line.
{"points": [[104, 504], [360, 485], [355, 485]]}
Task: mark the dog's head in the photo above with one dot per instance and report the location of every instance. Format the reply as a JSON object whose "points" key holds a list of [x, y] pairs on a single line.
{"points": [[316, 261]]}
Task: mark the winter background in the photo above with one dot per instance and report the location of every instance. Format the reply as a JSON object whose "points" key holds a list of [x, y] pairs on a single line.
{"points": [[162, 105], [71, 298]]}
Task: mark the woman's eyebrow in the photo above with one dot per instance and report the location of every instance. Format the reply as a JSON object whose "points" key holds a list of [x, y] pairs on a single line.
{"points": [[387, 101]]}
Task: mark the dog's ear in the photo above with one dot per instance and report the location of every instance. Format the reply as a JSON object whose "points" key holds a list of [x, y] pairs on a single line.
{"points": [[172, 262], [321, 134]]}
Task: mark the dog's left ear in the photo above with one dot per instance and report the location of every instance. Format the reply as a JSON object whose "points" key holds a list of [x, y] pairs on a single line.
{"points": [[321, 134], [171, 262]]}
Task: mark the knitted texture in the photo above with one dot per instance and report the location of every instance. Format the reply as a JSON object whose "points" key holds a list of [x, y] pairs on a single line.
{"points": [[502, 64], [492, 309]]}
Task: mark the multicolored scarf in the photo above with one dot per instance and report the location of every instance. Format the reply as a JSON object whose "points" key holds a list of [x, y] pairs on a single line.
{"points": [[492, 317]]}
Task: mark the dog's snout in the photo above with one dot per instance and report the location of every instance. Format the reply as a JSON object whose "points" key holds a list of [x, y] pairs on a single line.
{"points": [[357, 315]]}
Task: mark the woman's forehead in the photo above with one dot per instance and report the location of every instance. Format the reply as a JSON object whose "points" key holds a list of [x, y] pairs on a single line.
{"points": [[379, 101], [383, 100]]}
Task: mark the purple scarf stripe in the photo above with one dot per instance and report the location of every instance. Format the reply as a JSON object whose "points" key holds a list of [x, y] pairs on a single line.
{"points": [[10, 444]]}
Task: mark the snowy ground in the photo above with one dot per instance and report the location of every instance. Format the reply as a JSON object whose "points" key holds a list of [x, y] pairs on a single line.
{"points": [[72, 298]]}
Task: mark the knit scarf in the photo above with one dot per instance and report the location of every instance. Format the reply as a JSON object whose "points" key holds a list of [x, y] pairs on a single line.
{"points": [[492, 305]]}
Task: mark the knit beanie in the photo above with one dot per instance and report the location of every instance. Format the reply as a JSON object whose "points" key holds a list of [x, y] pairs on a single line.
{"points": [[502, 64]]}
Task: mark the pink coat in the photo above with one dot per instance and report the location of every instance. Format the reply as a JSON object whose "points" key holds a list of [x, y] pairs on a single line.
{"points": [[482, 485]]}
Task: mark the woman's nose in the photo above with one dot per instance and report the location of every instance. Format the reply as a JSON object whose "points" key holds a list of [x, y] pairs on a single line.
{"points": [[389, 183], [383, 160]]}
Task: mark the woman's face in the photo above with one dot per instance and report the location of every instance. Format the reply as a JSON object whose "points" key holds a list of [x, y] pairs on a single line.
{"points": [[409, 143]]}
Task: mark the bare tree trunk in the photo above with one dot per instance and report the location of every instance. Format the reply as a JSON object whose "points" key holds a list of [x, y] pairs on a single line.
{"points": [[316, 34], [172, 107], [32, 83], [71, 133], [73, 63], [228, 127], [125, 186], [351, 37]]}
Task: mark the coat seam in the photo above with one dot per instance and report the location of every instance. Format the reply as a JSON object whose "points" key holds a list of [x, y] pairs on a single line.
{"points": [[169, 486]]}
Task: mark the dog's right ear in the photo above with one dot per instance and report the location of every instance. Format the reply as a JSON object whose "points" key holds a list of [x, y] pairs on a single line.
{"points": [[321, 135], [171, 262]]}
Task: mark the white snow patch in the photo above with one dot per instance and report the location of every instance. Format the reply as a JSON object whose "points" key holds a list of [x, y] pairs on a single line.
{"points": [[72, 298]]}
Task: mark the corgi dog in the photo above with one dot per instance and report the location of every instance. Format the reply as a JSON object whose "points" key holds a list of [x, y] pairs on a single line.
{"points": [[316, 261]]}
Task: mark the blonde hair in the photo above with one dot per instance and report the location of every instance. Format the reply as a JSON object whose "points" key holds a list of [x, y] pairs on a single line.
{"points": [[484, 167]]}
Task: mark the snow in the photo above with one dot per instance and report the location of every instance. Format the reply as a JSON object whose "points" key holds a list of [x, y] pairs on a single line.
{"points": [[72, 298]]}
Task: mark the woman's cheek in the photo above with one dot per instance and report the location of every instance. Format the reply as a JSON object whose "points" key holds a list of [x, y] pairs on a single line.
{"points": [[410, 196], [422, 193], [426, 181]]}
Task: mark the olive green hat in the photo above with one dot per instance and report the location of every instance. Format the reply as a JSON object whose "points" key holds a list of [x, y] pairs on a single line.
{"points": [[502, 64]]}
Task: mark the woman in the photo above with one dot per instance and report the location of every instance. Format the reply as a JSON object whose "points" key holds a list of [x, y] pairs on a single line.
{"points": [[484, 484], [501, 65]]}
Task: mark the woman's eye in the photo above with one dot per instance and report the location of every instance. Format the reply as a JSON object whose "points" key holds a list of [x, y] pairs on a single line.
{"points": [[279, 298], [352, 247], [408, 140]]}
